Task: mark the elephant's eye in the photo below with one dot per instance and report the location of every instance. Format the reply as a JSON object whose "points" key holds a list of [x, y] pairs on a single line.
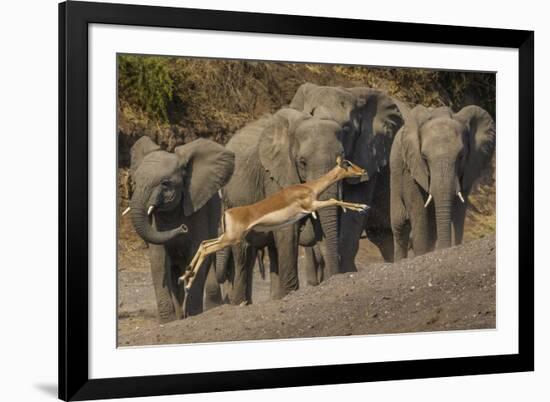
{"points": [[165, 182]]}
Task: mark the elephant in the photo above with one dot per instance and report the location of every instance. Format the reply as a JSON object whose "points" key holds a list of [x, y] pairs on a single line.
{"points": [[437, 155], [278, 150], [370, 120], [174, 207]]}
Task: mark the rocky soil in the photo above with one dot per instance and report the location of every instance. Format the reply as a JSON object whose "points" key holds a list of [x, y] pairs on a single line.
{"points": [[452, 289]]}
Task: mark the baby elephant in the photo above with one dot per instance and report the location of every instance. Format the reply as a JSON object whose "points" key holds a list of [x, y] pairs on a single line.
{"points": [[175, 206], [435, 159]]}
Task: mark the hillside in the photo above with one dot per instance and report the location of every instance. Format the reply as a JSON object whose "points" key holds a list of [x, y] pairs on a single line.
{"points": [[443, 290]]}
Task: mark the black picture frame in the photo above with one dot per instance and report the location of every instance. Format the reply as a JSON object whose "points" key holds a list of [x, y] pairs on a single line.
{"points": [[74, 18]]}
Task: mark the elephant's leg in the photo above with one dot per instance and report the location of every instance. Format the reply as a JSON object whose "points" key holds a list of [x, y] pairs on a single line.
{"points": [[243, 257], [383, 239], [176, 291], [194, 296], [400, 227], [273, 270], [311, 266], [161, 272], [423, 238], [286, 242], [459, 215], [351, 227], [320, 263], [401, 238], [212, 291]]}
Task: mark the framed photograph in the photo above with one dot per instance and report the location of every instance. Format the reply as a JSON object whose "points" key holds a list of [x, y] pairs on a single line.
{"points": [[259, 201]]}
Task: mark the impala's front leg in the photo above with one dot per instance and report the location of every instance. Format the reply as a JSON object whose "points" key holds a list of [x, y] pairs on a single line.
{"points": [[345, 205]]}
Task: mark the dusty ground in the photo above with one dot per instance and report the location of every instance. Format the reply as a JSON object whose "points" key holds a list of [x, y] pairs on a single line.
{"points": [[447, 290]]}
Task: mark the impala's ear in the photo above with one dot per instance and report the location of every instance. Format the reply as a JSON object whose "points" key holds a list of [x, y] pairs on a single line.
{"points": [[275, 148], [482, 139], [207, 167], [140, 149], [410, 146]]}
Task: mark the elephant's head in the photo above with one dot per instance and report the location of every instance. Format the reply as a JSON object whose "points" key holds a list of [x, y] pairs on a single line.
{"points": [[184, 180], [445, 153], [334, 103], [296, 147], [370, 120]]}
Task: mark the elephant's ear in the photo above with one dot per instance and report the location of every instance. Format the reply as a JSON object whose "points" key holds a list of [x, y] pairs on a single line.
{"points": [[482, 138], [375, 119], [207, 167], [410, 146], [274, 149], [140, 149], [300, 98]]}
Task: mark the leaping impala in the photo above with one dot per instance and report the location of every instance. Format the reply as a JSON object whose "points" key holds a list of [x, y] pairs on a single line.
{"points": [[285, 207]]}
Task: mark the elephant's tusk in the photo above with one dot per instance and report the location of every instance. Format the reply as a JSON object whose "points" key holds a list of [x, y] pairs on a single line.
{"points": [[428, 201], [461, 197], [126, 211], [150, 210], [314, 215]]}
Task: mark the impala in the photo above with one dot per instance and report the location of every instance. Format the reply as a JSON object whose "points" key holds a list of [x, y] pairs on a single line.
{"points": [[285, 207]]}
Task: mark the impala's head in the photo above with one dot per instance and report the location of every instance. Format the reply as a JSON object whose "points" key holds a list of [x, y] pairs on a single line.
{"points": [[347, 169]]}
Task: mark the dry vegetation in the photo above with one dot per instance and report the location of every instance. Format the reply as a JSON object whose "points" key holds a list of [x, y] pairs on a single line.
{"points": [[175, 100]]}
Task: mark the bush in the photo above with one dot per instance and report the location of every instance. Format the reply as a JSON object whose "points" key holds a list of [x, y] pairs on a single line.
{"points": [[145, 82]]}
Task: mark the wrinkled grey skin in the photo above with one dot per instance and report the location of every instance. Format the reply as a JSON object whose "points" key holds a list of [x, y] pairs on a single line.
{"points": [[436, 152], [274, 152], [370, 120], [182, 187]]}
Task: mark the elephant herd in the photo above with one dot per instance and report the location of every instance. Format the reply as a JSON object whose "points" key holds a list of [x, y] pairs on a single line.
{"points": [[421, 165]]}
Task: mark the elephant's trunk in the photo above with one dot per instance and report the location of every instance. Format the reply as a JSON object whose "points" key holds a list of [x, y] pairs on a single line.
{"points": [[140, 221], [443, 192], [329, 223]]}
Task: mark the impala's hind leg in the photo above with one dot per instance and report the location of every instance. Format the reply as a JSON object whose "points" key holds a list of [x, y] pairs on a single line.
{"points": [[204, 251], [203, 244]]}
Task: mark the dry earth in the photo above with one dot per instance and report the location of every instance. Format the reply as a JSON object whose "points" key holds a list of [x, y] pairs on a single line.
{"points": [[452, 289]]}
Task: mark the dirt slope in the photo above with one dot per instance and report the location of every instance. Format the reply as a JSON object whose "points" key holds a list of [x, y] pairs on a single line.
{"points": [[445, 290]]}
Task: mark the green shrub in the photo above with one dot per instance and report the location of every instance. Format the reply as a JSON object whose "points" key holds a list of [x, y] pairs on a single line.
{"points": [[145, 82]]}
